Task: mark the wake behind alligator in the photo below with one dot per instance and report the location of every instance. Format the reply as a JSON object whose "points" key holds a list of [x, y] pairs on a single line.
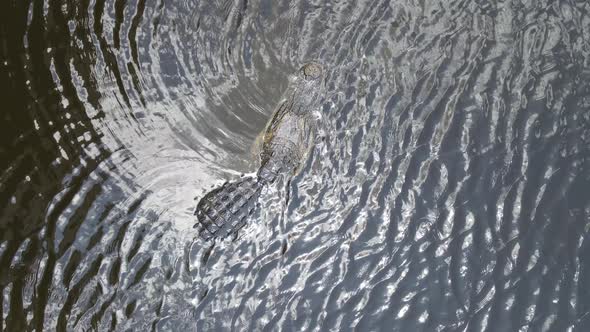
{"points": [[286, 141]]}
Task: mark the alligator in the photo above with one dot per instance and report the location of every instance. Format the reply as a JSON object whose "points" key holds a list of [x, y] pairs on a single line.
{"points": [[285, 143]]}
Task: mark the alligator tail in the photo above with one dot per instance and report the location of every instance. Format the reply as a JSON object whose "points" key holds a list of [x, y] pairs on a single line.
{"points": [[224, 210]]}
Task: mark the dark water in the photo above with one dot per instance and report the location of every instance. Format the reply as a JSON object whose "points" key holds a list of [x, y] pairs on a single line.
{"points": [[449, 189]]}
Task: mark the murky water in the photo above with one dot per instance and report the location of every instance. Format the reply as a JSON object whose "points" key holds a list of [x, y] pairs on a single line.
{"points": [[448, 189]]}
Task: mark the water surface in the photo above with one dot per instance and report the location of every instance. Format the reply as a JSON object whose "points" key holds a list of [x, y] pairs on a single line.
{"points": [[447, 190]]}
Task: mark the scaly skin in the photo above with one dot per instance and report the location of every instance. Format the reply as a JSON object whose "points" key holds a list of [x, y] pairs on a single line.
{"points": [[286, 141]]}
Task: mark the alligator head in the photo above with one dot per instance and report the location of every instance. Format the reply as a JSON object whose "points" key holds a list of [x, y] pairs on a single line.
{"points": [[307, 88]]}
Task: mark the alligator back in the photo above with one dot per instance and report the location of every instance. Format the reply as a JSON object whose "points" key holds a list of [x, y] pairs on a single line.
{"points": [[224, 210], [278, 157]]}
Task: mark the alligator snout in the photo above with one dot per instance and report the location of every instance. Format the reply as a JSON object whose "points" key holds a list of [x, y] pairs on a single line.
{"points": [[311, 71]]}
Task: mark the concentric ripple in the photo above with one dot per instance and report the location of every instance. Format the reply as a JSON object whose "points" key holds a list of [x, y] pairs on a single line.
{"points": [[447, 189]]}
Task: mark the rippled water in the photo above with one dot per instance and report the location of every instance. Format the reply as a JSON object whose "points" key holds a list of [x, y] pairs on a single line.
{"points": [[448, 189]]}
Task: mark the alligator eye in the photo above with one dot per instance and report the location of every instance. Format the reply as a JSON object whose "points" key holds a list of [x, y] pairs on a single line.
{"points": [[312, 71]]}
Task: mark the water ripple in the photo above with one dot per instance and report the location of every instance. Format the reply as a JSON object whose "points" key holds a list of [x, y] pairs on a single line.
{"points": [[446, 189]]}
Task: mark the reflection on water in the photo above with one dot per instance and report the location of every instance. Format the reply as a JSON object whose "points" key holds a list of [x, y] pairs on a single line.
{"points": [[448, 190]]}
